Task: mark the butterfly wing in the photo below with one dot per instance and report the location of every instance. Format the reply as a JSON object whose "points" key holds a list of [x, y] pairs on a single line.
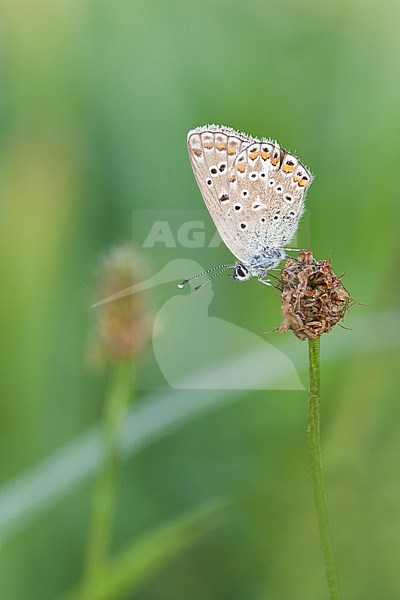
{"points": [[267, 186], [253, 189], [212, 151]]}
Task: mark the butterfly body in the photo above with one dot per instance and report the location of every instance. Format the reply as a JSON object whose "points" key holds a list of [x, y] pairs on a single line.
{"points": [[259, 264], [254, 191]]}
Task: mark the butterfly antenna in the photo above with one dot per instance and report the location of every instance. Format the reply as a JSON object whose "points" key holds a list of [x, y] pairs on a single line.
{"points": [[186, 281], [225, 267]]}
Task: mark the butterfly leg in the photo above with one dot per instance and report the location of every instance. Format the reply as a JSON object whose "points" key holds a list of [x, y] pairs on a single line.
{"points": [[293, 249], [265, 282], [272, 275]]}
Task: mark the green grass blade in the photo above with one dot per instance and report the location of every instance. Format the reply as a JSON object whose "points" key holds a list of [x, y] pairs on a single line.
{"points": [[24, 498], [140, 561]]}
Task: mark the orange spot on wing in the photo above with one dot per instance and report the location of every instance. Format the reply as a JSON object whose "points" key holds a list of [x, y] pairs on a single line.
{"points": [[288, 168], [254, 155], [275, 161], [197, 151], [241, 167], [232, 178], [220, 146], [303, 182], [208, 145], [232, 150], [265, 155]]}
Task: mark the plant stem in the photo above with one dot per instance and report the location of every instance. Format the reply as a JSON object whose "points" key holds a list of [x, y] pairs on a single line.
{"points": [[316, 468], [104, 496]]}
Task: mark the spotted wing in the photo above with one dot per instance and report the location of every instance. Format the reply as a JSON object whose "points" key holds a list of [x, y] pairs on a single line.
{"points": [[267, 189], [213, 150]]}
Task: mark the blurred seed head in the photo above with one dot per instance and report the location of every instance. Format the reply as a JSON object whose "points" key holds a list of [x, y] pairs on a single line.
{"points": [[314, 299], [122, 326]]}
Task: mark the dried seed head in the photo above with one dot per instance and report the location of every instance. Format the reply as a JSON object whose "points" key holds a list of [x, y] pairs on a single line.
{"points": [[122, 326], [314, 299]]}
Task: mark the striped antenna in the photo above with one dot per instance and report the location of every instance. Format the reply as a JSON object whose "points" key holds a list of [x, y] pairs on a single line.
{"points": [[196, 289], [221, 267]]}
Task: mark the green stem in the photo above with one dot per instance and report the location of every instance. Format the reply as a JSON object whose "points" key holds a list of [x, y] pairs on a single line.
{"points": [[104, 496], [316, 469]]}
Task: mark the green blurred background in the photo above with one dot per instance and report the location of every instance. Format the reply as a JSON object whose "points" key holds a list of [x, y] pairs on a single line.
{"points": [[96, 101]]}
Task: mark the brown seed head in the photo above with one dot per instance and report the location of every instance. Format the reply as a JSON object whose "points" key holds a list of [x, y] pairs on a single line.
{"points": [[123, 324], [314, 299]]}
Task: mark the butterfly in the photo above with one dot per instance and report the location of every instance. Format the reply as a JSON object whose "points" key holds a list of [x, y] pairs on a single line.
{"points": [[254, 191]]}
